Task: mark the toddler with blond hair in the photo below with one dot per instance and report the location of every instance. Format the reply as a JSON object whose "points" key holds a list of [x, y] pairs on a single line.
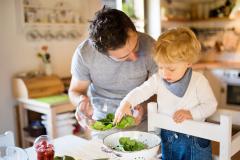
{"points": [[182, 93]]}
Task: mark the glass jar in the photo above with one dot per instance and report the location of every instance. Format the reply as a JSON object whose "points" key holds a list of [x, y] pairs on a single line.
{"points": [[44, 148]]}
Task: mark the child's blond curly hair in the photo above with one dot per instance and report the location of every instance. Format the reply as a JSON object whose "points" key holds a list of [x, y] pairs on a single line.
{"points": [[177, 45]]}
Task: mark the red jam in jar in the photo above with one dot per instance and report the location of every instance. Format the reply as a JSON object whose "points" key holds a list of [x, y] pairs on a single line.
{"points": [[44, 148]]}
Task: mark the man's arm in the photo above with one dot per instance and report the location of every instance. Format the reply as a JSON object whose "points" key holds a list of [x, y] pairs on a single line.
{"points": [[77, 90], [78, 97]]}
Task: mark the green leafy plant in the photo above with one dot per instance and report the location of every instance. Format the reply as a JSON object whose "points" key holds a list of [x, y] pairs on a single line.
{"points": [[107, 123], [128, 8], [127, 144], [126, 121]]}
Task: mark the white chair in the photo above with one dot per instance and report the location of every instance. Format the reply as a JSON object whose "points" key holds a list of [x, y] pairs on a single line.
{"points": [[222, 133], [8, 149], [7, 139]]}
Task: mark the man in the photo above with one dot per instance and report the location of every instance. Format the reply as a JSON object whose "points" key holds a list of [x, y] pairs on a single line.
{"points": [[114, 60]]}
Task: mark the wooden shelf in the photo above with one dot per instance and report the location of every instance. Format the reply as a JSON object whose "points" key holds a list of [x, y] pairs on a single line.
{"points": [[208, 23], [30, 139], [48, 8], [217, 64], [51, 111], [44, 20], [65, 25]]}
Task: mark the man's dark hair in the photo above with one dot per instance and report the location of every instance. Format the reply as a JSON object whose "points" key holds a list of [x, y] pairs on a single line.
{"points": [[109, 29]]}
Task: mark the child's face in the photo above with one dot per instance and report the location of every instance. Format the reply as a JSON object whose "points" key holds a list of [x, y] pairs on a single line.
{"points": [[173, 72]]}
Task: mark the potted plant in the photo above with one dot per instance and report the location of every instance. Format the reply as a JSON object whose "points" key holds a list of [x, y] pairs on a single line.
{"points": [[46, 59]]}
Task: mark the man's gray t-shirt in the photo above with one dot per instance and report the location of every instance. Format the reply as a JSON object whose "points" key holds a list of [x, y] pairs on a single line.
{"points": [[111, 81]]}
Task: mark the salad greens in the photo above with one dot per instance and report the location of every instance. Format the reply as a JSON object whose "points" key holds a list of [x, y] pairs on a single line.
{"points": [[104, 124], [107, 123], [127, 144], [126, 121], [64, 158]]}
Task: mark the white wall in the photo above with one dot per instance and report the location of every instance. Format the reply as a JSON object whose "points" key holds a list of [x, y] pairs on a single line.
{"points": [[18, 55]]}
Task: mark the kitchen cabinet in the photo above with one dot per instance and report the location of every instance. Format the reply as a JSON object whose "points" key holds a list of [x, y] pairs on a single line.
{"points": [[51, 111], [41, 98]]}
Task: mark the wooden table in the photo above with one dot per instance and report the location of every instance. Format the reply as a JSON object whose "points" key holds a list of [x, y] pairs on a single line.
{"points": [[83, 149], [76, 147]]}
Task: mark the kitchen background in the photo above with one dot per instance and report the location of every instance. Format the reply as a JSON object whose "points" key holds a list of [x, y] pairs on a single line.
{"points": [[19, 54], [29, 27]]}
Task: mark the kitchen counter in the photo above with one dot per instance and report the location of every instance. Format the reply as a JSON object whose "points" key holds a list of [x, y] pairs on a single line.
{"points": [[216, 65], [76, 147], [79, 148]]}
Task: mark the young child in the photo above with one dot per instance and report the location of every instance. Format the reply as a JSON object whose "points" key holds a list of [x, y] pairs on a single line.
{"points": [[181, 92]]}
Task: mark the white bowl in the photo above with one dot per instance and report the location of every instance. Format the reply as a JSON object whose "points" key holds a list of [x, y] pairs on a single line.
{"points": [[151, 140], [101, 134]]}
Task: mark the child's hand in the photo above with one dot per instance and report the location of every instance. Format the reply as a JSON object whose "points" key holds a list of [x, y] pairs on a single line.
{"points": [[138, 113], [123, 109], [181, 115]]}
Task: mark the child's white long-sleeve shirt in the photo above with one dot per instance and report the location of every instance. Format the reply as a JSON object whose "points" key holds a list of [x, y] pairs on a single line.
{"points": [[198, 98]]}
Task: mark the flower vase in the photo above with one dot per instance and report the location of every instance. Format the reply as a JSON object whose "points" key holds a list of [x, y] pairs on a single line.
{"points": [[48, 69]]}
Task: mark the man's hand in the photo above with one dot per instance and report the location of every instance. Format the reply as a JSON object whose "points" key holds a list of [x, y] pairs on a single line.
{"points": [[122, 110], [84, 112], [181, 115], [85, 106]]}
